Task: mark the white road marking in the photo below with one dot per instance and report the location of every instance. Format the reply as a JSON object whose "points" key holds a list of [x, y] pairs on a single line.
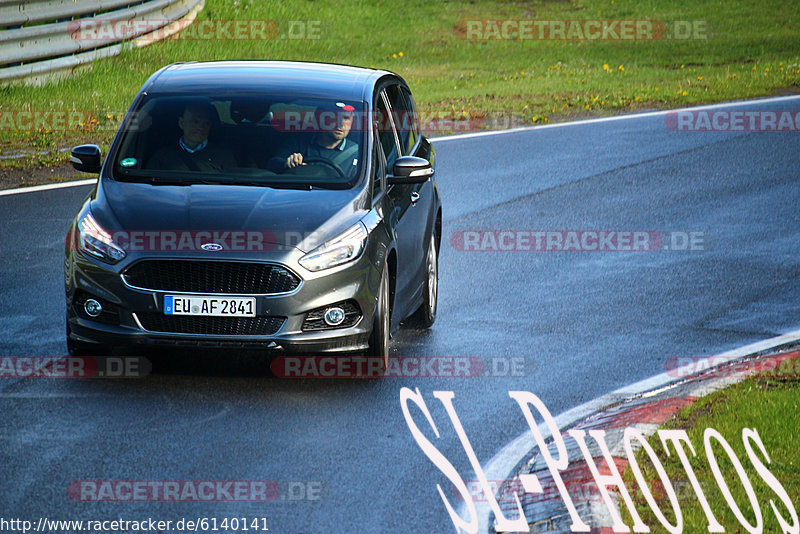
{"points": [[738, 103], [35, 188]]}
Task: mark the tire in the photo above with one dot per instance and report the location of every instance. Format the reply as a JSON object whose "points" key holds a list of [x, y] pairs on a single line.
{"points": [[425, 316], [381, 324]]}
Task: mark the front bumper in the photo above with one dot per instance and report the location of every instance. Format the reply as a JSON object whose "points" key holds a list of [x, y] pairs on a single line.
{"points": [[125, 308]]}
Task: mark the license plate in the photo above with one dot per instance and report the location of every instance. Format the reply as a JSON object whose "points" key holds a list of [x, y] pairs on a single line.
{"points": [[210, 306]]}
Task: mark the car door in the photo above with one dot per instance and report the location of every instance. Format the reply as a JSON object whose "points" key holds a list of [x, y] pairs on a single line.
{"points": [[412, 204], [421, 196], [400, 215]]}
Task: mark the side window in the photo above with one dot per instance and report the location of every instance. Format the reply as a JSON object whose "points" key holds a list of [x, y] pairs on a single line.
{"points": [[404, 117], [413, 118], [386, 131]]}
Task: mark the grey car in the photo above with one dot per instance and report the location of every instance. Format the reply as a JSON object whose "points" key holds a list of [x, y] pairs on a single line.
{"points": [[280, 205]]}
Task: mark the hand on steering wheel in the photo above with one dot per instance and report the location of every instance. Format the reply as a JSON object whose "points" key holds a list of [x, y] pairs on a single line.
{"points": [[326, 162]]}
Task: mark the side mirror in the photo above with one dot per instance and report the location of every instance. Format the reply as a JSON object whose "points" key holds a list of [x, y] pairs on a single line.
{"points": [[86, 158], [410, 170]]}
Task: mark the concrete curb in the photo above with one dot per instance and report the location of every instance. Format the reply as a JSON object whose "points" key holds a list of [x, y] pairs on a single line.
{"points": [[643, 406]]}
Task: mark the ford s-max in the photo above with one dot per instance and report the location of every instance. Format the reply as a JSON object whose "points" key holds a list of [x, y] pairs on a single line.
{"points": [[280, 205]]}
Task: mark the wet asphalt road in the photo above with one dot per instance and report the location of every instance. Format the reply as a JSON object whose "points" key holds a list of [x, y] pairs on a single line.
{"points": [[583, 323]]}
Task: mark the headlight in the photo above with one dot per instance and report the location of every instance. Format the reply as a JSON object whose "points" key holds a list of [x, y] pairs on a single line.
{"points": [[344, 248], [96, 242]]}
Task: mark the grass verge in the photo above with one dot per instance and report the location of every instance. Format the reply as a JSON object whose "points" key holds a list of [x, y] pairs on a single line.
{"points": [[767, 403], [745, 49]]}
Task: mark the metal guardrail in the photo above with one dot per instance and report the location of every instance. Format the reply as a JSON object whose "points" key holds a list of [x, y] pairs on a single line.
{"points": [[69, 33], [20, 13]]}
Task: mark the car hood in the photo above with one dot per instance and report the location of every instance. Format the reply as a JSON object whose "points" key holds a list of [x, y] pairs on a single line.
{"points": [[300, 218]]}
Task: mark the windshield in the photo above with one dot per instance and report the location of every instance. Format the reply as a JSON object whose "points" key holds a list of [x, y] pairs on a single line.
{"points": [[276, 141]]}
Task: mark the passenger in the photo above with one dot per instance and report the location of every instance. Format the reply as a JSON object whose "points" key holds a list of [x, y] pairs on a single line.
{"points": [[193, 151]]}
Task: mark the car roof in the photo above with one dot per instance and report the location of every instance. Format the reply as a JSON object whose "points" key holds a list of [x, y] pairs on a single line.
{"points": [[311, 79]]}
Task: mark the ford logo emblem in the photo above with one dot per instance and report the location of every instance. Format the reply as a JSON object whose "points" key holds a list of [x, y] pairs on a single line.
{"points": [[211, 247]]}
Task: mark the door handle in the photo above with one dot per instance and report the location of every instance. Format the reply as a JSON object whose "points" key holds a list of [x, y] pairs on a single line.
{"points": [[414, 197]]}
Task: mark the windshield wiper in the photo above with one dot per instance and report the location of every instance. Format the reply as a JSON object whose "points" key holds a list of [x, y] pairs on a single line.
{"points": [[155, 180], [273, 185], [183, 181]]}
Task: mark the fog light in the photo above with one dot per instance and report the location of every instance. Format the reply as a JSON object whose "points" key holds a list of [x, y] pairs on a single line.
{"points": [[92, 307], [333, 316]]}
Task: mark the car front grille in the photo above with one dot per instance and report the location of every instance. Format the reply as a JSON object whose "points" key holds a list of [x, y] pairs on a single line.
{"points": [[226, 277], [210, 326]]}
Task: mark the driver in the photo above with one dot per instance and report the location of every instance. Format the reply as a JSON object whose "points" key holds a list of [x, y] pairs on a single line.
{"points": [[329, 143]]}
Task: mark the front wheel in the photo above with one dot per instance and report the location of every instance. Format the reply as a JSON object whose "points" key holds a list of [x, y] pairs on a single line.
{"points": [[425, 316], [379, 338]]}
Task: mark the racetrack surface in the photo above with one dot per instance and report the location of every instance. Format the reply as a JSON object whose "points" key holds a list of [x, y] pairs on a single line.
{"points": [[585, 323]]}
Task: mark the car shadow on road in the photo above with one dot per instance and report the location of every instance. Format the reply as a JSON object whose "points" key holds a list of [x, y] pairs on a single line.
{"points": [[210, 362], [256, 364]]}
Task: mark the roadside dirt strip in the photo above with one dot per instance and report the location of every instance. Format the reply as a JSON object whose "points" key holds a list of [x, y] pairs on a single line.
{"points": [[600, 446]]}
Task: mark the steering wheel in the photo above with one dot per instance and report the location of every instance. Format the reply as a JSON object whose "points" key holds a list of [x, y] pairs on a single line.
{"points": [[325, 162]]}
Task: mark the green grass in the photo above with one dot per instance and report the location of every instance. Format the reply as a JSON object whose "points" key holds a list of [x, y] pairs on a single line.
{"points": [[752, 50], [768, 404]]}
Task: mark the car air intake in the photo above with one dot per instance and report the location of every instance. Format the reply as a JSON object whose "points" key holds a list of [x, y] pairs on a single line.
{"points": [[210, 326]]}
